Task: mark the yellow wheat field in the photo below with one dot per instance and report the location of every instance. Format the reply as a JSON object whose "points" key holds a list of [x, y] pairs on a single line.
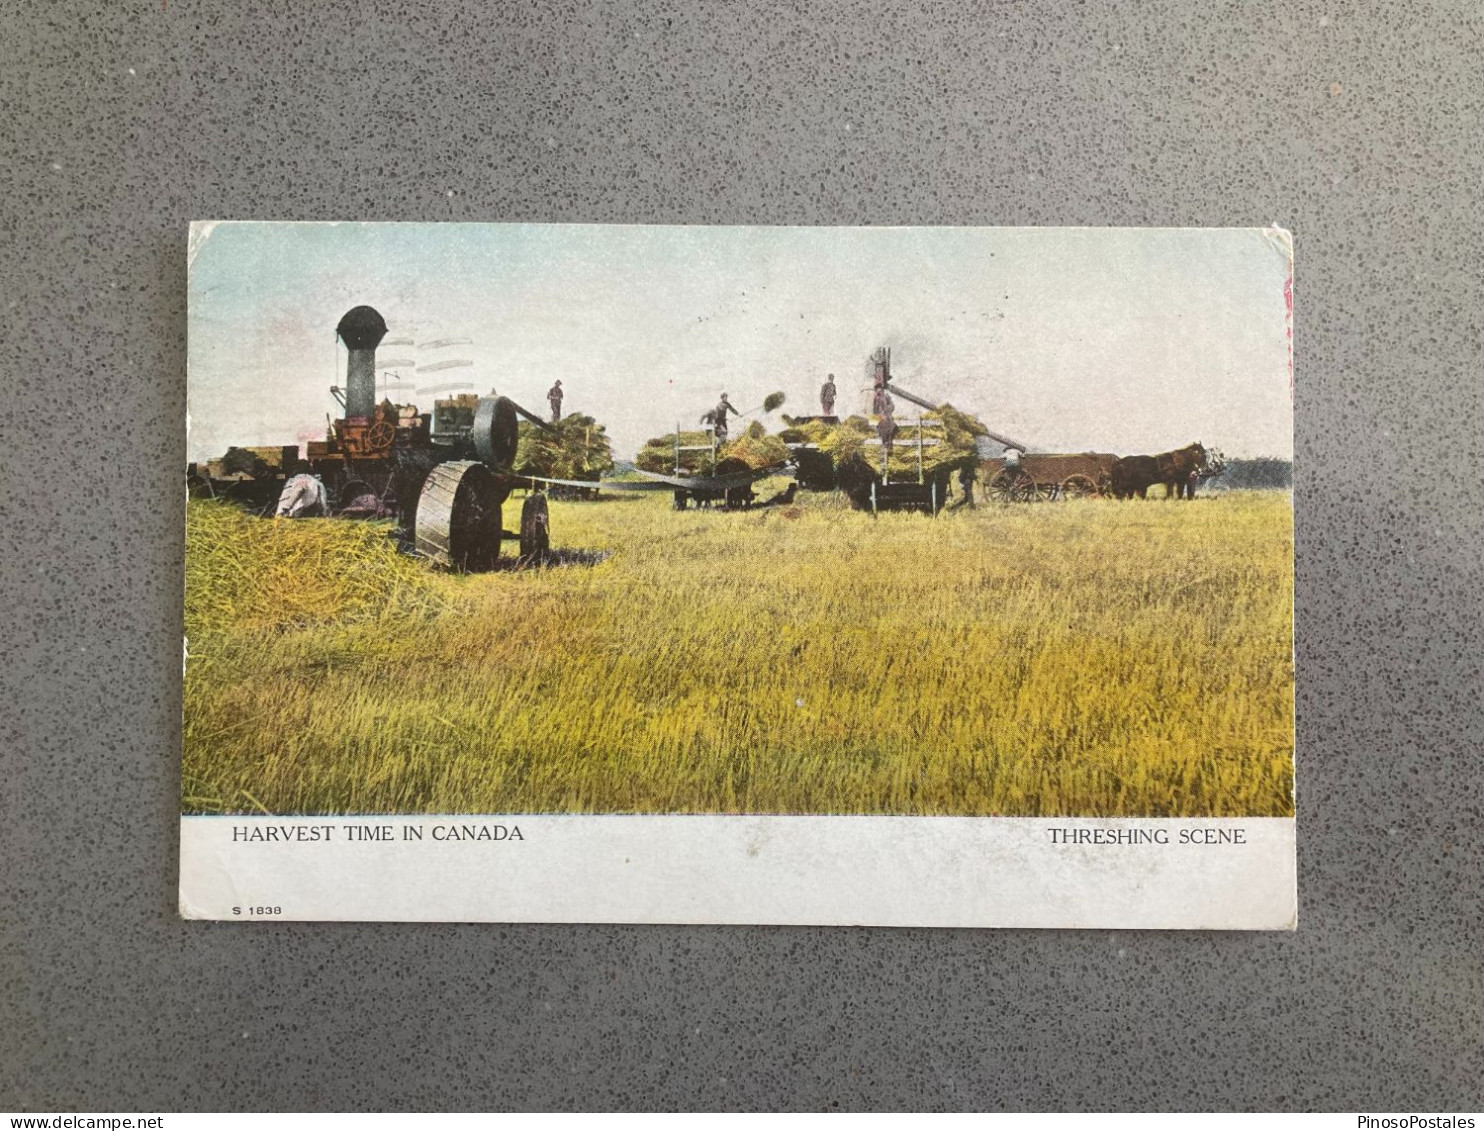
{"points": [[1075, 658]]}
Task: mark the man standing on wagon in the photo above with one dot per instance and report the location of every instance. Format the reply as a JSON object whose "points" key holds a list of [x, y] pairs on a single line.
{"points": [[720, 423], [827, 396], [882, 406]]}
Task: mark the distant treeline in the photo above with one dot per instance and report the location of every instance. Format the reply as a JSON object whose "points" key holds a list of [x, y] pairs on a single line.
{"points": [[1265, 471]]}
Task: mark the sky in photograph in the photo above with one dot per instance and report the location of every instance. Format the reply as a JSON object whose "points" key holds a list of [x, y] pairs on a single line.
{"points": [[1067, 339]]}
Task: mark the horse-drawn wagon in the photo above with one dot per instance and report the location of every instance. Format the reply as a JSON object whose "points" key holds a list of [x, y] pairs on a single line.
{"points": [[1046, 476]]}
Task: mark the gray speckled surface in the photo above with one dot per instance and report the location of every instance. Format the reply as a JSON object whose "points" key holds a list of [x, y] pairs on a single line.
{"points": [[1356, 126]]}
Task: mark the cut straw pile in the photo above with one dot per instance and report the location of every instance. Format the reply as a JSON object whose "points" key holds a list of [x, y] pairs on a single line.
{"points": [[244, 572]]}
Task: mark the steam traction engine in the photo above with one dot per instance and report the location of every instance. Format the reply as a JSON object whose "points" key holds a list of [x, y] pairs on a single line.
{"points": [[447, 474], [444, 475]]}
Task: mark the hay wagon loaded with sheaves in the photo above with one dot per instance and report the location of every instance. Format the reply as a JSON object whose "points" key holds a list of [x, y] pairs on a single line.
{"points": [[1032, 477]]}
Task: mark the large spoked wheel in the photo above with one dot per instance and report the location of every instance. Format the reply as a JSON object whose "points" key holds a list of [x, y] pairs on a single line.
{"points": [[1027, 490], [1000, 486], [1013, 486], [1079, 487], [535, 527], [458, 517]]}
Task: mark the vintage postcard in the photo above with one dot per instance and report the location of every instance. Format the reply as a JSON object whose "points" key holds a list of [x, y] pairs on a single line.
{"points": [[583, 573]]}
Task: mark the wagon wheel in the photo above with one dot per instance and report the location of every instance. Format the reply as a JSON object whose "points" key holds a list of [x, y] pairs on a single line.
{"points": [[1079, 487], [1024, 489], [1001, 487], [535, 527], [458, 517], [380, 435]]}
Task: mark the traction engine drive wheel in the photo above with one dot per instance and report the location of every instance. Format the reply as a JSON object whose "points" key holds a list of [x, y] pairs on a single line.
{"points": [[535, 527], [458, 517]]}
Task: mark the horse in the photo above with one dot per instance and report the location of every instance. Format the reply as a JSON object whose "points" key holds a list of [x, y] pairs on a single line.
{"points": [[1134, 475], [1178, 470]]}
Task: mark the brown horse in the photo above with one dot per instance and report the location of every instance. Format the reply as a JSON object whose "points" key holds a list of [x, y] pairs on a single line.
{"points": [[1178, 470], [1134, 475]]}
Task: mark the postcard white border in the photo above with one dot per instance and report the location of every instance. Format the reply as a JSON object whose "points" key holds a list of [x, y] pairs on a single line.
{"points": [[799, 870]]}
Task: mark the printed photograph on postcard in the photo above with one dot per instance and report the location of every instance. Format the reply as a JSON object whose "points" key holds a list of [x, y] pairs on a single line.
{"points": [[775, 575]]}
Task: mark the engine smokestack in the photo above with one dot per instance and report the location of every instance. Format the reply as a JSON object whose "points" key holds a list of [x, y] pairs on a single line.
{"points": [[361, 330]]}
